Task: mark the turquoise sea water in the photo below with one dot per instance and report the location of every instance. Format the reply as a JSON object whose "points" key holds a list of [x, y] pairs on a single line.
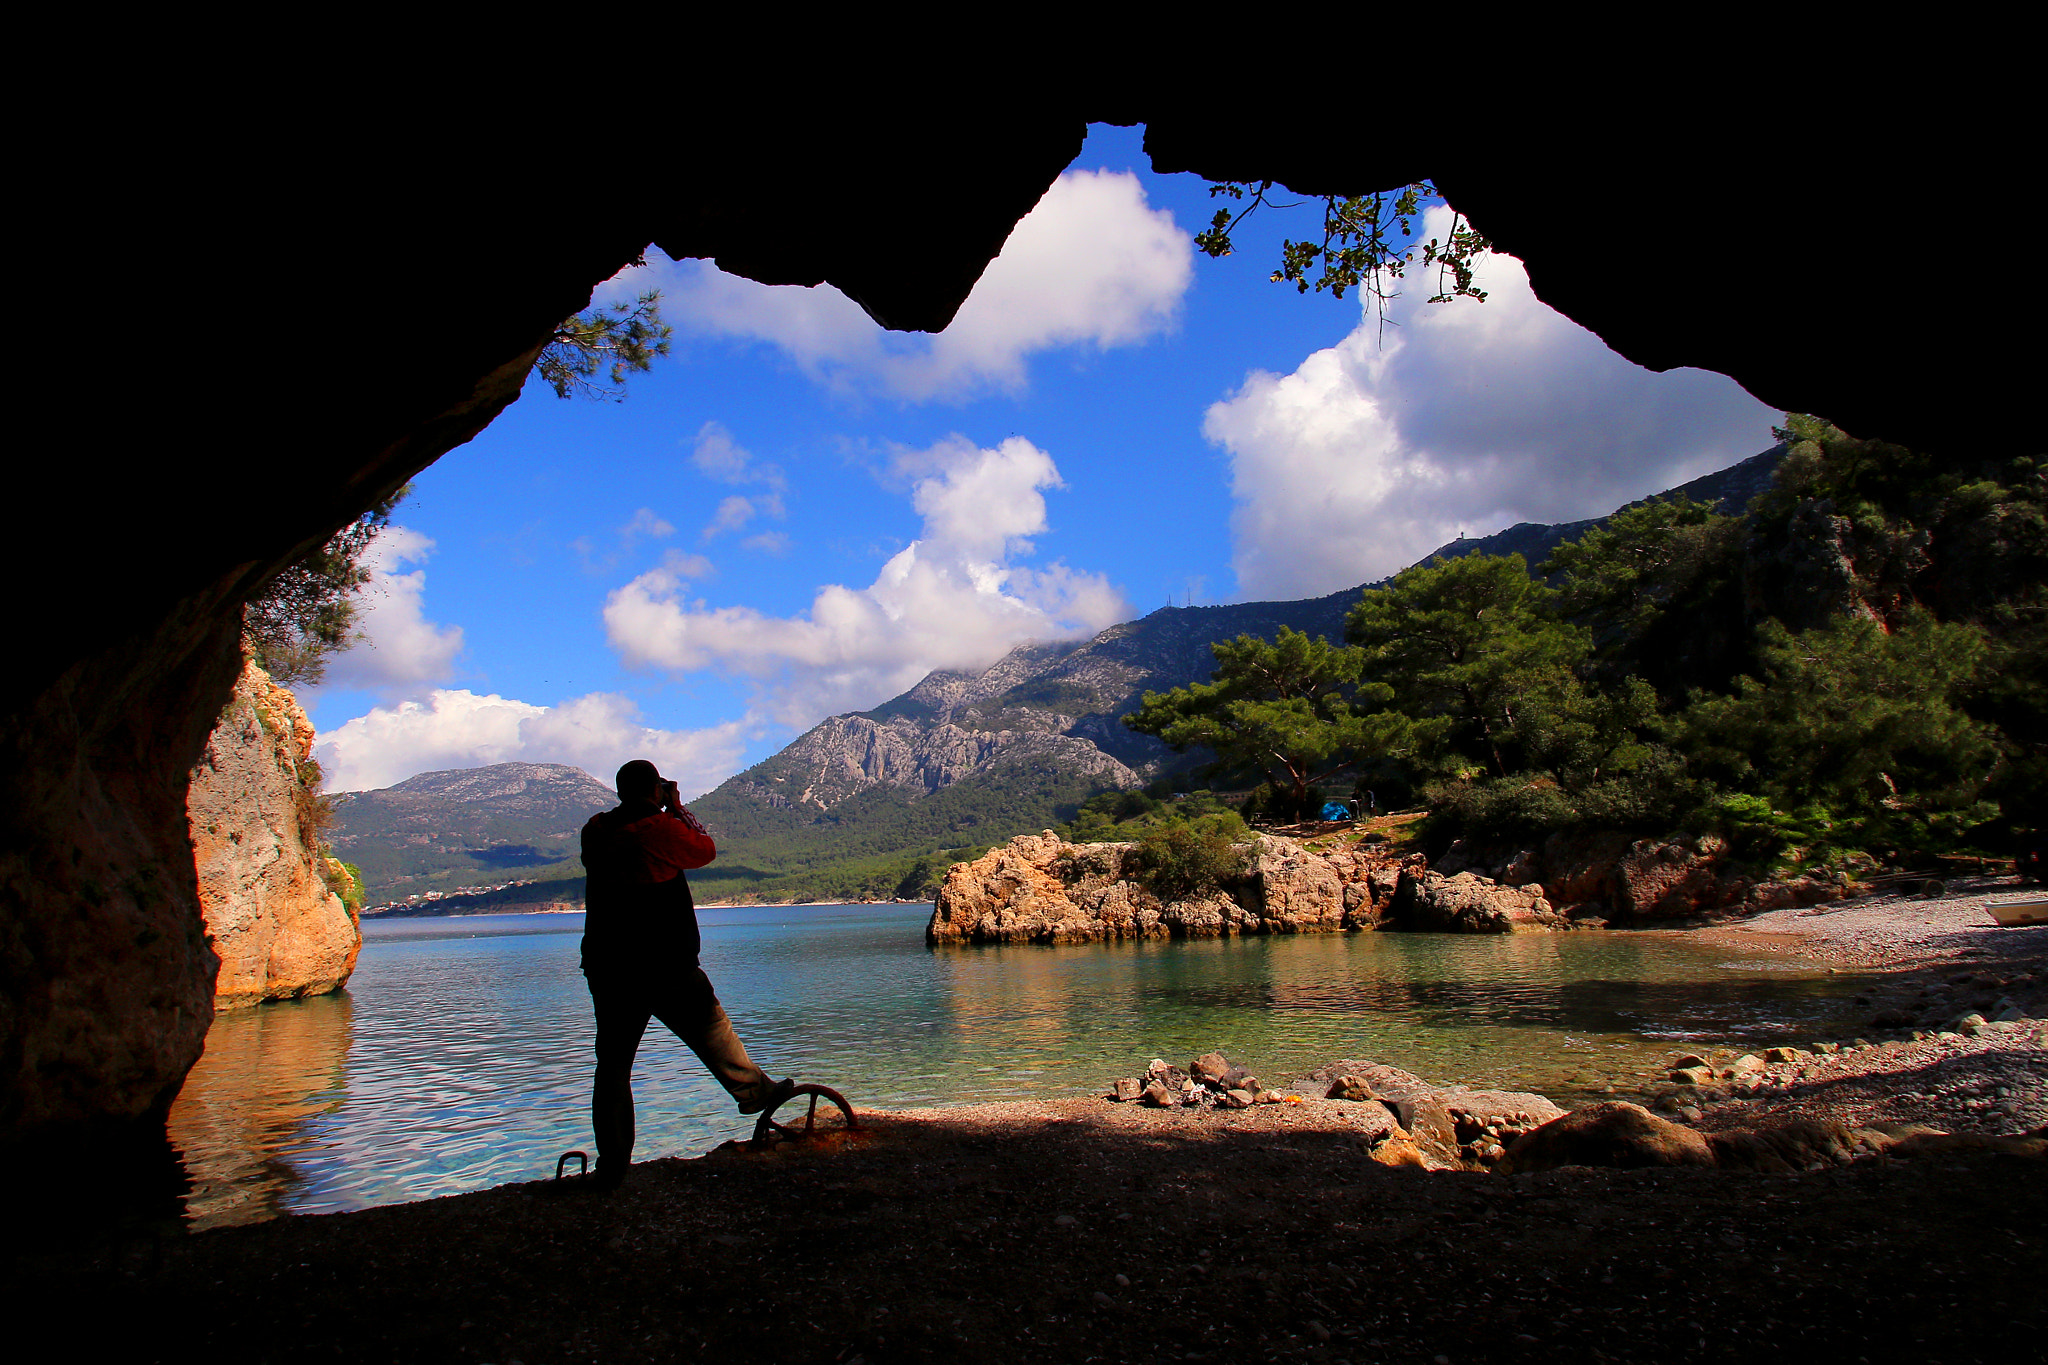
{"points": [[459, 1056]]}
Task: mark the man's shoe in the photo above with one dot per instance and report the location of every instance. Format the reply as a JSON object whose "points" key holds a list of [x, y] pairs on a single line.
{"points": [[772, 1096]]}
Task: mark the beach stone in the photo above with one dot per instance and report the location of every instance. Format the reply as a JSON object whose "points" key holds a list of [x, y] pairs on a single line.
{"points": [[1782, 1054], [1208, 1067], [1237, 1099], [1128, 1088], [1933, 1144], [1748, 1064], [1686, 1060], [1693, 1075], [1158, 1096], [1158, 1066], [1349, 1088], [1796, 1145], [1398, 1150], [1614, 1133], [1430, 1126]]}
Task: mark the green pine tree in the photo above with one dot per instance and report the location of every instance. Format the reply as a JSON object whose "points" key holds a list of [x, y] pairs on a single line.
{"points": [[1293, 708]]}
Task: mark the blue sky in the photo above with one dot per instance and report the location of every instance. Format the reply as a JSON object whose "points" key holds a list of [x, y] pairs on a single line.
{"points": [[798, 514]]}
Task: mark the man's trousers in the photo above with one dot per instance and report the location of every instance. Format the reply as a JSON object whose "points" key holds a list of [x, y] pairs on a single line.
{"points": [[683, 1000]]}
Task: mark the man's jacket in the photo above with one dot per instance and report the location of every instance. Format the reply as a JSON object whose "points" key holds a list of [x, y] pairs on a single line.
{"points": [[640, 914]]}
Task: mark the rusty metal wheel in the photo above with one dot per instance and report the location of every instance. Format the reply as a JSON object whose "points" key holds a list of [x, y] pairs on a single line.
{"points": [[767, 1132]]}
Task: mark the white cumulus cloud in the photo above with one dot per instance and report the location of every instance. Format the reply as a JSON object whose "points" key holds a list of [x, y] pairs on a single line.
{"points": [[1092, 264], [401, 648], [1470, 418], [954, 598], [460, 729]]}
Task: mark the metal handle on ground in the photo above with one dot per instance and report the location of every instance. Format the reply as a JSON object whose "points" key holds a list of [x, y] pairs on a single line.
{"points": [[767, 1131]]}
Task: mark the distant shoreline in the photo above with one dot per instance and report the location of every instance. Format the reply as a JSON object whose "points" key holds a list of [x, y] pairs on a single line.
{"points": [[433, 910]]}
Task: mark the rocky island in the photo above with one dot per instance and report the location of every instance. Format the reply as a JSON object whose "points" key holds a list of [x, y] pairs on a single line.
{"points": [[1043, 889]]}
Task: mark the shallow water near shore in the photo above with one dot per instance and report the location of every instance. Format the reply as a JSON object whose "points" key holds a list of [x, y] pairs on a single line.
{"points": [[459, 1056]]}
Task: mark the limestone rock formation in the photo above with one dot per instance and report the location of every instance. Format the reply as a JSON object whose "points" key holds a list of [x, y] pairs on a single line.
{"points": [[1465, 903], [1611, 877], [1038, 888], [271, 918]]}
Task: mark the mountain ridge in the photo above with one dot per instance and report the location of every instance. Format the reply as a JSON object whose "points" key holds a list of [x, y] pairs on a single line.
{"points": [[437, 831]]}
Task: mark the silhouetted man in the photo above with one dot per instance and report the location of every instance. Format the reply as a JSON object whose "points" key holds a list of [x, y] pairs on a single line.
{"points": [[640, 946]]}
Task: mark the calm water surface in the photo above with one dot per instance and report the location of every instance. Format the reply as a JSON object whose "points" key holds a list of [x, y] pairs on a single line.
{"points": [[459, 1057]]}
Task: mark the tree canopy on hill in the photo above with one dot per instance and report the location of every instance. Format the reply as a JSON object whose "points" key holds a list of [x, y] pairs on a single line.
{"points": [[1859, 662], [1293, 708]]}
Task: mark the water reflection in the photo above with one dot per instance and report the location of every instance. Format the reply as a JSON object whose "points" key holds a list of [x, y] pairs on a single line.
{"points": [[241, 1120], [461, 1056]]}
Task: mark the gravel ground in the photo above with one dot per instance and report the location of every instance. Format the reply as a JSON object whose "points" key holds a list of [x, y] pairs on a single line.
{"points": [[1894, 931], [1080, 1230], [1927, 965]]}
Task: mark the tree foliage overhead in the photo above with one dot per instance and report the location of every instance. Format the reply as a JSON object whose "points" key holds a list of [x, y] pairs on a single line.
{"points": [[308, 611], [591, 354], [1368, 242]]}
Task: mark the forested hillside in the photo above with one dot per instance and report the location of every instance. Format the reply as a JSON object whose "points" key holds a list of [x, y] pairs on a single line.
{"points": [[1850, 676], [467, 827]]}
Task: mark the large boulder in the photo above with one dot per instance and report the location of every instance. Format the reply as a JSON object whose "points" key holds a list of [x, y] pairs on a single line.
{"points": [[1677, 880], [1649, 880], [1039, 889], [1794, 1145], [1298, 891], [1467, 903], [1612, 1134], [271, 917], [1436, 1127]]}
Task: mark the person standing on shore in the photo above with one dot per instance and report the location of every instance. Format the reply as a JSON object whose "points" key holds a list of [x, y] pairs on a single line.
{"points": [[640, 947]]}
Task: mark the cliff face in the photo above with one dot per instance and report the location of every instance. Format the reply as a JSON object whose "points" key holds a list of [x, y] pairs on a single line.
{"points": [[278, 930]]}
